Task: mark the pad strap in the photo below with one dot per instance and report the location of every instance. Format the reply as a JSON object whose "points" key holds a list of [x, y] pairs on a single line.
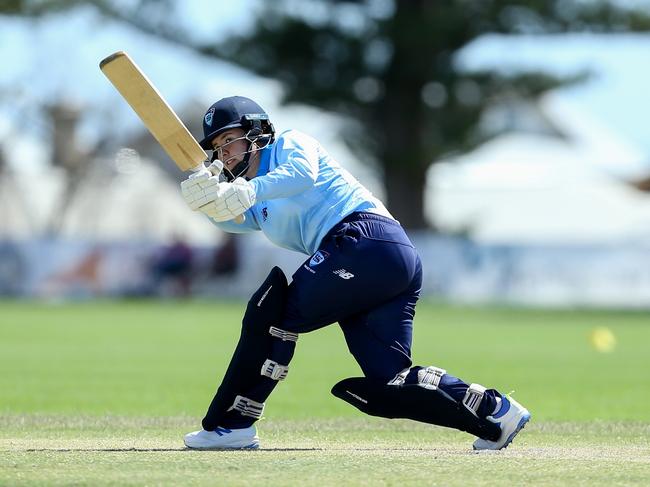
{"points": [[248, 407], [429, 377], [473, 398], [274, 370], [399, 379], [283, 334]]}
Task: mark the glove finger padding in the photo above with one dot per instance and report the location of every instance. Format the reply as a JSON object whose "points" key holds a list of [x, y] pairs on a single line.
{"points": [[218, 213], [193, 180], [200, 191], [232, 201]]}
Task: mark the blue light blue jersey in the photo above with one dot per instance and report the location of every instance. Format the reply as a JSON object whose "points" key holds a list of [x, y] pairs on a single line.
{"points": [[301, 194]]}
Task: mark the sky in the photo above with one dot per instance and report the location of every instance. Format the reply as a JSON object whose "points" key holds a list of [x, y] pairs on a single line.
{"points": [[616, 93], [58, 57]]}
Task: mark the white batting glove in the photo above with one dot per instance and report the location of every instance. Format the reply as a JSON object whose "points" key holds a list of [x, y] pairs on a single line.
{"points": [[200, 189], [233, 200]]}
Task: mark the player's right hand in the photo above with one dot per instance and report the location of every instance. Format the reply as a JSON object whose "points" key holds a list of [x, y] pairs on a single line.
{"points": [[200, 188]]}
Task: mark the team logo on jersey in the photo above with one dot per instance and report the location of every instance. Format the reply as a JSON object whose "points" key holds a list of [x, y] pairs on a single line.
{"points": [[208, 117], [265, 213], [343, 274], [318, 258]]}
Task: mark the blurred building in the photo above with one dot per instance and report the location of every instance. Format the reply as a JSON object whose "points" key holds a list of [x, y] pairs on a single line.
{"points": [[554, 176]]}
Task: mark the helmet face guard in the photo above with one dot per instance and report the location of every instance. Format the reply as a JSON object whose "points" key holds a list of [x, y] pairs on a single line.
{"points": [[257, 139]]}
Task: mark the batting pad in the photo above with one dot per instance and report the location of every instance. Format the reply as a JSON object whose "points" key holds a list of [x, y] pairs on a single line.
{"points": [[412, 401], [243, 377]]}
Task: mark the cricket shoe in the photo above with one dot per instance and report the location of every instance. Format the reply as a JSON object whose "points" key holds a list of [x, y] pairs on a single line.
{"points": [[511, 418], [224, 439]]}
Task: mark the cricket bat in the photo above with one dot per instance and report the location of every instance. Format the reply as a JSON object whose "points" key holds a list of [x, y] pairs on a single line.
{"points": [[155, 112]]}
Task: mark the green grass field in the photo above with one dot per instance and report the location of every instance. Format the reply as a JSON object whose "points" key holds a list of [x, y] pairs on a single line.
{"points": [[102, 393]]}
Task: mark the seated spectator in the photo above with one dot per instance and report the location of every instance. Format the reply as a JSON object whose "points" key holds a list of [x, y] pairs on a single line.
{"points": [[172, 269], [226, 257]]}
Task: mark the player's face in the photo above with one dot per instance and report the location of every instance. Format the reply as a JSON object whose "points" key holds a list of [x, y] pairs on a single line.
{"points": [[230, 147]]}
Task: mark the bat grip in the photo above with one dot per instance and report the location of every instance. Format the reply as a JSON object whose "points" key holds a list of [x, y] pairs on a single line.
{"points": [[199, 169]]}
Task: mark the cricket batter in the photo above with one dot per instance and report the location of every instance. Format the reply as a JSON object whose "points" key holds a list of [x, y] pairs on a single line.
{"points": [[362, 272]]}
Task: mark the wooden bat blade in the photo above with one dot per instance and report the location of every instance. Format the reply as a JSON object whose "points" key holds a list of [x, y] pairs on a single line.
{"points": [[153, 110]]}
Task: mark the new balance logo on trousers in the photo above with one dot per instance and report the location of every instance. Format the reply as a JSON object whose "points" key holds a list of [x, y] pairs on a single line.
{"points": [[343, 274]]}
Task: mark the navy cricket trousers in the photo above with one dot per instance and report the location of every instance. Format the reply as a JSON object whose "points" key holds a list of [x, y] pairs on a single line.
{"points": [[367, 276]]}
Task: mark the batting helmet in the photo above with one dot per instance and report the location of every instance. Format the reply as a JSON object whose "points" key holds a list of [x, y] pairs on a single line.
{"points": [[235, 112]]}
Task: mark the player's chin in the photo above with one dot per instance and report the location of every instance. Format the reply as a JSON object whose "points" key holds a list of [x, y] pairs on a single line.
{"points": [[232, 164]]}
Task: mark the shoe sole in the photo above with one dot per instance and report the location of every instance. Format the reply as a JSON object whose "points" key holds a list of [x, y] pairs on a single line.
{"points": [[252, 446], [521, 425]]}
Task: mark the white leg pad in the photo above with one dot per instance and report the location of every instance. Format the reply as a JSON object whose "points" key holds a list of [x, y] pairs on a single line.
{"points": [[473, 398], [283, 334], [429, 377], [248, 407], [274, 370]]}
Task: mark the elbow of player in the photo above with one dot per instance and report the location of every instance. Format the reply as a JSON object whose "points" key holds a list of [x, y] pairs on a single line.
{"points": [[309, 178]]}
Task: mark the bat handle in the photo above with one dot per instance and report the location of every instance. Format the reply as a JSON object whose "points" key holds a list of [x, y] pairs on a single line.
{"points": [[199, 170]]}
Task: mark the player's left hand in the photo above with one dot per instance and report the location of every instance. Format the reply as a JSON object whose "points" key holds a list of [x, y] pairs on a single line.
{"points": [[233, 200], [200, 188]]}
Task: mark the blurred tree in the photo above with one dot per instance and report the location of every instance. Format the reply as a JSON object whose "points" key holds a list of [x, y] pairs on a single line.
{"points": [[15, 212], [66, 154], [389, 67]]}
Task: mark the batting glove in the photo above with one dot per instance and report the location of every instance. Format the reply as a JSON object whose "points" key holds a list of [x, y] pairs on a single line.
{"points": [[233, 200], [200, 189]]}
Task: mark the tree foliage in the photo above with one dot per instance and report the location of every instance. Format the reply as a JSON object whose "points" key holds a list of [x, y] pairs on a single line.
{"points": [[389, 67]]}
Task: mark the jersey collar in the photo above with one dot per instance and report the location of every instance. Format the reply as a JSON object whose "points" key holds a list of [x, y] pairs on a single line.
{"points": [[265, 158]]}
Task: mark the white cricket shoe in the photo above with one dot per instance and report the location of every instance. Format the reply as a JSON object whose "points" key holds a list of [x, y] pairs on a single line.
{"points": [[511, 417], [223, 439]]}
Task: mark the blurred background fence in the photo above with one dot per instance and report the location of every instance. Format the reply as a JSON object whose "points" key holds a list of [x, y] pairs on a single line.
{"points": [[455, 269]]}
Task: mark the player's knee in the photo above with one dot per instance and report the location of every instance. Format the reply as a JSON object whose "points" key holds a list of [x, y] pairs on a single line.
{"points": [[384, 369], [283, 345], [433, 378], [266, 306], [264, 314]]}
